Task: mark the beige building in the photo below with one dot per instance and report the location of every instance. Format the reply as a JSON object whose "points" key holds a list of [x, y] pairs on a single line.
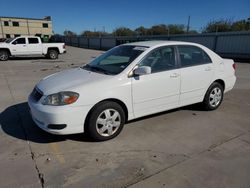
{"points": [[13, 27]]}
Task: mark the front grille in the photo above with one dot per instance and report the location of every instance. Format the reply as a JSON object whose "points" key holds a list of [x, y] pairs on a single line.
{"points": [[36, 94]]}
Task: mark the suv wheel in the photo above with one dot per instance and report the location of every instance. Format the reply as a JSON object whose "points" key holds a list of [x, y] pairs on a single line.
{"points": [[52, 54], [4, 55]]}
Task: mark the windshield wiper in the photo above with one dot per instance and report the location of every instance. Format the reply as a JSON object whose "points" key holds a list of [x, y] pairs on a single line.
{"points": [[96, 69]]}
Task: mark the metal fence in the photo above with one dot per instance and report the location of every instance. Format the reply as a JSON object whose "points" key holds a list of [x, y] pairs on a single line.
{"points": [[230, 44]]}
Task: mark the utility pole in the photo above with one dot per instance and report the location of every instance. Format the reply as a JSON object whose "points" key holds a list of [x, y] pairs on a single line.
{"points": [[2, 28], [188, 24], [28, 27]]}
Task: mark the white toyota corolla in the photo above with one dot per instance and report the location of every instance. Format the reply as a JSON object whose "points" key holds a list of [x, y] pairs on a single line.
{"points": [[128, 82]]}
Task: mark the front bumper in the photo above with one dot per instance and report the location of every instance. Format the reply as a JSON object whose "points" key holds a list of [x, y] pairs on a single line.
{"points": [[71, 116]]}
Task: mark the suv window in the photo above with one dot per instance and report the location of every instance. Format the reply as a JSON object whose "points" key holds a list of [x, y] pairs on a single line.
{"points": [[192, 55], [33, 40], [19, 41], [160, 59]]}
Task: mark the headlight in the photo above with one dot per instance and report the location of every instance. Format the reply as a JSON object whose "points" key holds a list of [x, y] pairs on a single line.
{"points": [[61, 98]]}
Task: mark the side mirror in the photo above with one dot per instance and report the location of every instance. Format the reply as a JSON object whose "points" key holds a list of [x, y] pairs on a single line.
{"points": [[14, 43], [143, 70]]}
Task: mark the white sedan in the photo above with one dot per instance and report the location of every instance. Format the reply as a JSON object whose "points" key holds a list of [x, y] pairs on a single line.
{"points": [[128, 82]]}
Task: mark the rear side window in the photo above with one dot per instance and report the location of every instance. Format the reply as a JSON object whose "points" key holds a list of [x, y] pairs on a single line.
{"points": [[33, 40], [192, 55]]}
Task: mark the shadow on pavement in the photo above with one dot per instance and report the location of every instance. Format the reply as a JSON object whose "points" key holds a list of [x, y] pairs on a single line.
{"points": [[17, 122]]}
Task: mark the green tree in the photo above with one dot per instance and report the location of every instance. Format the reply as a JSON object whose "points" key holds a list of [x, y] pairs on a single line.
{"points": [[218, 26], [123, 31], [241, 25], [158, 30], [176, 28], [141, 30], [69, 33]]}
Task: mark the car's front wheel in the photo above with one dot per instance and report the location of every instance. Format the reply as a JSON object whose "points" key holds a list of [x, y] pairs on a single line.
{"points": [[213, 97], [106, 121]]}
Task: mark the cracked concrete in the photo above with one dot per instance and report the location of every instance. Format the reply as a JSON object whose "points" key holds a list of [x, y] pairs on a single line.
{"points": [[186, 147]]}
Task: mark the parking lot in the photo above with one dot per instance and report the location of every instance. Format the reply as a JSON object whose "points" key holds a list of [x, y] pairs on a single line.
{"points": [[186, 147]]}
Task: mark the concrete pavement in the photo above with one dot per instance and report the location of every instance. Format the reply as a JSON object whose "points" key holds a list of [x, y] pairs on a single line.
{"points": [[186, 147]]}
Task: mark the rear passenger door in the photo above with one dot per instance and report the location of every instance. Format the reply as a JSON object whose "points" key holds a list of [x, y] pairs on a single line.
{"points": [[34, 46], [196, 71]]}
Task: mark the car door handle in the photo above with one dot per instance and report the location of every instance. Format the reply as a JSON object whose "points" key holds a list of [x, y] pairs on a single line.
{"points": [[174, 75], [208, 69]]}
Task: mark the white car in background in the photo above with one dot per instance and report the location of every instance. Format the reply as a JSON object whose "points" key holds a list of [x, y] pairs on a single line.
{"points": [[29, 46], [128, 82]]}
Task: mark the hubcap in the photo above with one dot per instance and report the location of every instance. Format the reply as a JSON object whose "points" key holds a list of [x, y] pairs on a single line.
{"points": [[52, 55], [3, 56], [108, 122], [215, 97]]}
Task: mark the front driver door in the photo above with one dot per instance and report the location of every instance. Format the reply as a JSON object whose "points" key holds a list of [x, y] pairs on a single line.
{"points": [[19, 46], [158, 91]]}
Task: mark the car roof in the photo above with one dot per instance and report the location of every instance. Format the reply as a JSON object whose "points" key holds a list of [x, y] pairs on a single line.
{"points": [[159, 43]]}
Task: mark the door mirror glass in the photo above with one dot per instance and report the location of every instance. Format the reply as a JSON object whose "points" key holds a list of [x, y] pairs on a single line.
{"points": [[143, 70]]}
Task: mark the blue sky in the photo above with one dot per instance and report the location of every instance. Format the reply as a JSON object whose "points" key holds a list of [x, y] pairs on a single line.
{"points": [[77, 15]]}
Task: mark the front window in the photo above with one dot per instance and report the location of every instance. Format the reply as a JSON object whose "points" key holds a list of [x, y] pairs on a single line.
{"points": [[160, 59], [115, 60], [19, 41]]}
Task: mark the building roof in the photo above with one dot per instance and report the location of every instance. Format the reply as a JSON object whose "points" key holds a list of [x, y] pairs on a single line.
{"points": [[47, 18]]}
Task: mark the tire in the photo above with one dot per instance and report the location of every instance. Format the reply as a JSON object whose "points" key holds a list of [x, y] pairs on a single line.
{"points": [[52, 54], [4, 55], [105, 121], [213, 97]]}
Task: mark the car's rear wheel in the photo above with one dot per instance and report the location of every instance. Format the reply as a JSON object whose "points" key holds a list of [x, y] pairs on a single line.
{"points": [[106, 121], [4, 55], [52, 54], [213, 97]]}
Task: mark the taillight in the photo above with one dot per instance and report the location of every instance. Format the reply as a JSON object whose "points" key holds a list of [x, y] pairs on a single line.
{"points": [[234, 66], [64, 46]]}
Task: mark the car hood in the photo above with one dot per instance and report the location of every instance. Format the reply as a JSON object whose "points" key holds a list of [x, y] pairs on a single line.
{"points": [[3, 44], [65, 80]]}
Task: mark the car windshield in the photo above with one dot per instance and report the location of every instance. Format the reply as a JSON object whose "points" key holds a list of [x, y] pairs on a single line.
{"points": [[8, 40], [115, 60]]}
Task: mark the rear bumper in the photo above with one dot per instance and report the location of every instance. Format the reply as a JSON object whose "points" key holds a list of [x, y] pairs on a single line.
{"points": [[229, 83]]}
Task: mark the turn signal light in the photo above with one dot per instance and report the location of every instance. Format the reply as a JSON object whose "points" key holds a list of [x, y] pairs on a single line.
{"points": [[71, 99]]}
